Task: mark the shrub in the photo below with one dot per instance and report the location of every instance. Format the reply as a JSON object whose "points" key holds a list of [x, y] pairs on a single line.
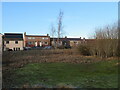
{"points": [[84, 50], [61, 47]]}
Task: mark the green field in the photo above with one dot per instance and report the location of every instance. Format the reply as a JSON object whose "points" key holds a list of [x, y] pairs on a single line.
{"points": [[102, 74]]}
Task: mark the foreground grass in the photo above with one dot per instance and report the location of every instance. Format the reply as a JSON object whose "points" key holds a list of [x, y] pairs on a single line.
{"points": [[102, 74]]}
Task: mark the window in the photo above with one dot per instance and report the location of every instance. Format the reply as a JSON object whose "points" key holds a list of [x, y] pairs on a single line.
{"points": [[44, 37], [18, 49], [14, 49], [31, 37], [29, 43], [16, 42], [46, 43], [7, 42], [75, 42]]}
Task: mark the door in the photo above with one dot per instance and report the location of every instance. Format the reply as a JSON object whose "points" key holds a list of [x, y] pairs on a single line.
{"points": [[40, 44], [36, 44]]}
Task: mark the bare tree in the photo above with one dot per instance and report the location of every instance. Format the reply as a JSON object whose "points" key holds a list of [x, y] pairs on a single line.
{"points": [[53, 32], [60, 26], [106, 42]]}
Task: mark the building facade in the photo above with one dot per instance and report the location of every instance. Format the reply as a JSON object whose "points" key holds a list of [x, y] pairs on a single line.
{"points": [[73, 42], [77, 41], [16, 41], [36, 40], [61, 42], [13, 41]]}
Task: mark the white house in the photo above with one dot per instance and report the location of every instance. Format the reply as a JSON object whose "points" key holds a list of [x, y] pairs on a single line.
{"points": [[13, 41]]}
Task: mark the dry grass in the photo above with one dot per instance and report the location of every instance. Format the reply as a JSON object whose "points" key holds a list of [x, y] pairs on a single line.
{"points": [[16, 59]]}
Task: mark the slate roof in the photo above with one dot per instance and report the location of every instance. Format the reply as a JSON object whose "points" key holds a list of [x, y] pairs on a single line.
{"points": [[13, 36], [57, 38], [36, 36], [73, 39]]}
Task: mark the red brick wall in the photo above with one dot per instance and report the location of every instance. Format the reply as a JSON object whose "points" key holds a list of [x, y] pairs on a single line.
{"points": [[36, 39]]}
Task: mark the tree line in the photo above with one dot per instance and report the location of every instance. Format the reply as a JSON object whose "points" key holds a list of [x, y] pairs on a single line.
{"points": [[106, 42]]}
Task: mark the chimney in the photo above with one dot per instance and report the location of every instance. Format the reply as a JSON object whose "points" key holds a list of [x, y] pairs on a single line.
{"points": [[83, 39], [65, 36], [47, 34], [80, 37], [24, 33]]}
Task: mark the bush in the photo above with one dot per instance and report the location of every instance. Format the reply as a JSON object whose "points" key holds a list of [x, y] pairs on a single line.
{"points": [[61, 47], [84, 50]]}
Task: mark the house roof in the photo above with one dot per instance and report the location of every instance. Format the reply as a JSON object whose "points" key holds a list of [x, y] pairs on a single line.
{"points": [[59, 39], [36, 36], [73, 39], [13, 36]]}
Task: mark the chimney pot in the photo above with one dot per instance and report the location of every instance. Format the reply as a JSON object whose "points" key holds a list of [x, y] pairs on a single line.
{"points": [[24, 33]]}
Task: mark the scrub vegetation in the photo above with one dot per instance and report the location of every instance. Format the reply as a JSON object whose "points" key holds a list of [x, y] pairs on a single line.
{"points": [[64, 68]]}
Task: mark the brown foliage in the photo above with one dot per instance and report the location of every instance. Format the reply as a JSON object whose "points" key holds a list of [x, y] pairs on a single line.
{"points": [[18, 59], [106, 42]]}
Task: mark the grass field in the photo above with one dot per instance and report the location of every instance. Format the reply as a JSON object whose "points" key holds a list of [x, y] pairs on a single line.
{"points": [[87, 72]]}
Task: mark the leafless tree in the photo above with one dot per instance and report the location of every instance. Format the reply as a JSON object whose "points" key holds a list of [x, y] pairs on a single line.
{"points": [[107, 41], [60, 26], [53, 32]]}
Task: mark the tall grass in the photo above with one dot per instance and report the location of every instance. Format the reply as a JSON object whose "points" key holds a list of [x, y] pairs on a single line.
{"points": [[16, 59]]}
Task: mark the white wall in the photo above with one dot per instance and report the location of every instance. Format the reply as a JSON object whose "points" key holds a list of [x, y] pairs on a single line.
{"points": [[12, 45]]}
